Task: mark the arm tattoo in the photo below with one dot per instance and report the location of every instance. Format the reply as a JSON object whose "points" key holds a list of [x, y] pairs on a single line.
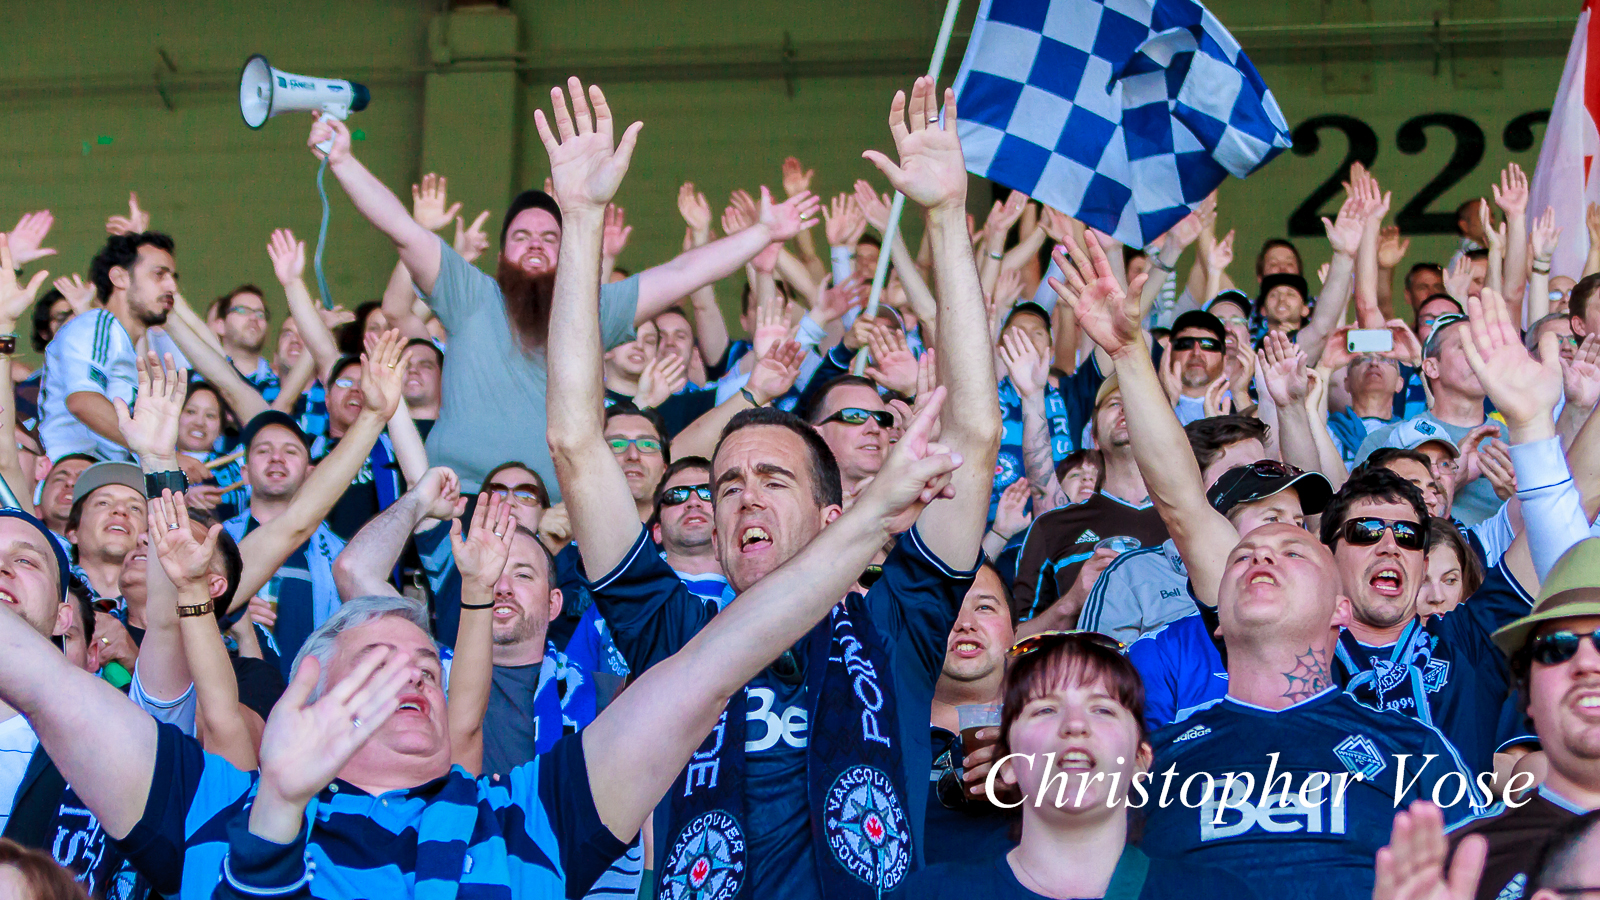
{"points": [[1309, 677], [1039, 462]]}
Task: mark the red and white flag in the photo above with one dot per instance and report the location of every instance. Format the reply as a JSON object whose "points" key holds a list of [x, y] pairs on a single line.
{"points": [[1566, 178]]}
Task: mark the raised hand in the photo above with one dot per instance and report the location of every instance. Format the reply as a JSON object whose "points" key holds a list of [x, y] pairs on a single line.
{"points": [[1412, 866], [695, 211], [439, 490], [931, 171], [1002, 216], [1056, 224], [771, 325], [787, 219], [1511, 194], [1580, 377], [893, 365], [288, 256], [766, 261], [874, 206], [1336, 349], [1496, 236], [1458, 279], [335, 317], [615, 236], [796, 178], [1407, 348], [1467, 469], [1344, 232], [585, 168], [27, 239], [481, 556], [843, 223], [1186, 232], [326, 128], [428, 203], [1106, 313], [1391, 247], [15, 298], [1283, 368], [383, 369], [135, 222], [775, 371], [1008, 288], [829, 303], [661, 377], [80, 296], [1523, 389], [151, 429], [1220, 254], [471, 240], [1011, 512], [916, 471], [1028, 368], [1544, 235], [186, 560], [1494, 460]]}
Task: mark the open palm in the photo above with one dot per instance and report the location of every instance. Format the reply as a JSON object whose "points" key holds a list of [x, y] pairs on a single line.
{"points": [[586, 164], [932, 171], [1108, 314]]}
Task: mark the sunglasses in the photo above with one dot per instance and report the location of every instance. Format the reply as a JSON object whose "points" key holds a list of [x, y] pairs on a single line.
{"points": [[1271, 468], [1210, 345], [1555, 649], [1033, 643], [1368, 530], [677, 496], [248, 312], [647, 446], [344, 384], [526, 493], [870, 576], [852, 415]]}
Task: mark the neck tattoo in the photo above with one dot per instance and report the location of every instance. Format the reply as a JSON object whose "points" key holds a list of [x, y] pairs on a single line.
{"points": [[1309, 677]]}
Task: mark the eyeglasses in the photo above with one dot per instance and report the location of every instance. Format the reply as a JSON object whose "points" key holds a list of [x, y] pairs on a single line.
{"points": [[523, 493], [1033, 643], [1210, 345], [1271, 468], [677, 496], [344, 384], [870, 576], [1555, 649], [249, 312], [852, 415], [647, 446], [60, 317], [1368, 530]]}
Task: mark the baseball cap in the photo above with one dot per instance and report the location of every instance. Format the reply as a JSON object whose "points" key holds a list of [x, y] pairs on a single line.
{"points": [[101, 474], [1199, 318], [1028, 307], [1107, 388], [1234, 296], [1262, 479], [530, 199], [1280, 279], [1571, 589], [62, 568], [1413, 433], [270, 417]]}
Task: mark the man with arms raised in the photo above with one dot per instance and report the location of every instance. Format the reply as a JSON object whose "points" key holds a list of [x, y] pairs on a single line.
{"points": [[498, 326], [775, 486]]}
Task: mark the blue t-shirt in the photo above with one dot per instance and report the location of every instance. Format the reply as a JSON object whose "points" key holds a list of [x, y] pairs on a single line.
{"points": [[536, 831], [1322, 843], [993, 879], [912, 607], [1181, 668]]}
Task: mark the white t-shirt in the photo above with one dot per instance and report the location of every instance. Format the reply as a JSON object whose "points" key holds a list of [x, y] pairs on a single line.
{"points": [[91, 353], [17, 743]]}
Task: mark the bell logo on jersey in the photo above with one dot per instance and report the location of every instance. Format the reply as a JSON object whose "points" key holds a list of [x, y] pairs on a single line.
{"points": [[1313, 810]]}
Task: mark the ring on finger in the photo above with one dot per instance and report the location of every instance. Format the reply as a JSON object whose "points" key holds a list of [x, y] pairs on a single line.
{"points": [[355, 722]]}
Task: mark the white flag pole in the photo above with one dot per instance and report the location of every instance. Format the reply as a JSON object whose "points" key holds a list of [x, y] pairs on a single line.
{"points": [[892, 229]]}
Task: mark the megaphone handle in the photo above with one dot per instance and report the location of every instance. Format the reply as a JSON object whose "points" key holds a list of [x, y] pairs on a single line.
{"points": [[326, 146], [337, 111]]}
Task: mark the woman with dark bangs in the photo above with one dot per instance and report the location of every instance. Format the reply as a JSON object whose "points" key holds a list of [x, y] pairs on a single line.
{"points": [[1072, 738]]}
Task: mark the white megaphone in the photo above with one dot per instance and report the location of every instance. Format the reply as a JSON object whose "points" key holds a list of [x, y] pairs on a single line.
{"points": [[265, 92]]}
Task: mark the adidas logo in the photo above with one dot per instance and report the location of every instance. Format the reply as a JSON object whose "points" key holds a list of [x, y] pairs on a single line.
{"points": [[1199, 731], [1088, 537]]}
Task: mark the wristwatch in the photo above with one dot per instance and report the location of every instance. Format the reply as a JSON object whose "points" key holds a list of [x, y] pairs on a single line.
{"points": [[173, 480], [751, 397], [199, 609]]}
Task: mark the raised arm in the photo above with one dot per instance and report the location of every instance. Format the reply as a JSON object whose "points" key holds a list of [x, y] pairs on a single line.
{"points": [[1283, 368], [15, 301], [1030, 375], [1110, 317], [1344, 233], [418, 248], [266, 548], [1511, 195], [585, 171], [480, 559], [289, 264], [638, 744], [932, 173], [363, 568]]}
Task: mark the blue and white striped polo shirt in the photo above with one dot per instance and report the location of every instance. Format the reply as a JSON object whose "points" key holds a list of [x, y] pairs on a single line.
{"points": [[532, 836]]}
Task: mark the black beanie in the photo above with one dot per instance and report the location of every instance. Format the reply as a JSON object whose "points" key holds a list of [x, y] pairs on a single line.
{"points": [[530, 199]]}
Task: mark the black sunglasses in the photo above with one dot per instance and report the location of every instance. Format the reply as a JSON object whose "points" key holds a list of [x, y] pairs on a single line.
{"points": [[1368, 530], [1555, 649], [676, 496], [852, 415], [1033, 643], [1210, 345], [1271, 468]]}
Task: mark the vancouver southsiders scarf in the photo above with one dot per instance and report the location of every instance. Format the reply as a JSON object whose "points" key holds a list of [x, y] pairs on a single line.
{"points": [[861, 834]]}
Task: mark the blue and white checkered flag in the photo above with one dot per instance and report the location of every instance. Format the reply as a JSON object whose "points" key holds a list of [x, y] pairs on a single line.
{"points": [[1124, 114]]}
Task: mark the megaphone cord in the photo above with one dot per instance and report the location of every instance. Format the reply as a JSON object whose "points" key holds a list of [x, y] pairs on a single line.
{"points": [[322, 235]]}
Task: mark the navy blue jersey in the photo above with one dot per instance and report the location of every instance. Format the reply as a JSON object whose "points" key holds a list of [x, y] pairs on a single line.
{"points": [[961, 828], [1454, 665], [912, 606], [993, 879], [1346, 768], [1182, 670]]}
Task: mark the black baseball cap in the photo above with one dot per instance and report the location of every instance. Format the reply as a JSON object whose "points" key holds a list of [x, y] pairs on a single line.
{"points": [[63, 569], [1028, 308], [1231, 295], [271, 417], [1280, 279], [1199, 318], [530, 199], [1265, 477]]}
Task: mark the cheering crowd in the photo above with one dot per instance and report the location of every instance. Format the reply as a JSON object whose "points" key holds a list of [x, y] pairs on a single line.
{"points": [[1065, 569]]}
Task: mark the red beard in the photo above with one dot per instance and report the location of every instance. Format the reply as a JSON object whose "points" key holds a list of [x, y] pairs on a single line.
{"points": [[527, 299]]}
